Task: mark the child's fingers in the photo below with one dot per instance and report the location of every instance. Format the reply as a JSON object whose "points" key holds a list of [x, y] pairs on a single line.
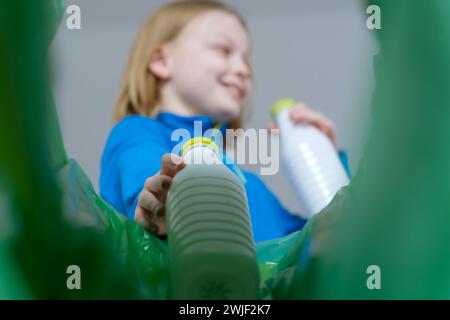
{"points": [[156, 225], [158, 185], [142, 217], [159, 226], [151, 203], [171, 164], [272, 126], [331, 133], [302, 114]]}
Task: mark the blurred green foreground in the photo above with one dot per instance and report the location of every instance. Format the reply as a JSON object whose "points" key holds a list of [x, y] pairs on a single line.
{"points": [[395, 214]]}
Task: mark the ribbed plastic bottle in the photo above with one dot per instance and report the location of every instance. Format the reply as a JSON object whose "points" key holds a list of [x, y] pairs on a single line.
{"points": [[311, 161], [211, 248]]}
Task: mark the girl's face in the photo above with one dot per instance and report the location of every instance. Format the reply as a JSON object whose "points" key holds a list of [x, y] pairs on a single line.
{"points": [[209, 65]]}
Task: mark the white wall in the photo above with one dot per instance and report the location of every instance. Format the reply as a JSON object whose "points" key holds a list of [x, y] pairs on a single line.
{"points": [[318, 51]]}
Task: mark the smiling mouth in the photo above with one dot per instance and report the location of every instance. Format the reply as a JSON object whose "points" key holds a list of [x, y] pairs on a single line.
{"points": [[235, 92]]}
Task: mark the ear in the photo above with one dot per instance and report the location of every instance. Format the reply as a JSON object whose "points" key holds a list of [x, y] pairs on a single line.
{"points": [[159, 66]]}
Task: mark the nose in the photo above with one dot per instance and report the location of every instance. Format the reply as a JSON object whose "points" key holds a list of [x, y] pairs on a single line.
{"points": [[241, 67]]}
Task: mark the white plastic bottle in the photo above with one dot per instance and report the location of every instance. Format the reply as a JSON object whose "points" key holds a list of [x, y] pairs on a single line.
{"points": [[311, 161], [211, 249]]}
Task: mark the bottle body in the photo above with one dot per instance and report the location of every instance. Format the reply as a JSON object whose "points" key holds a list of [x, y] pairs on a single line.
{"points": [[211, 248], [312, 163]]}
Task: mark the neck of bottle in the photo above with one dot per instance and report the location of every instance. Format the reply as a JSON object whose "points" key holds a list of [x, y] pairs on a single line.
{"points": [[201, 154]]}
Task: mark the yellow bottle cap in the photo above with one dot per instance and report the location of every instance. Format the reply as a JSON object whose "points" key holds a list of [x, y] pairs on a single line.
{"points": [[199, 141], [281, 105]]}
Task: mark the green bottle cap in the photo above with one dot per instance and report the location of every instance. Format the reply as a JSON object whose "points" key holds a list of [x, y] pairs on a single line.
{"points": [[199, 141], [281, 105]]}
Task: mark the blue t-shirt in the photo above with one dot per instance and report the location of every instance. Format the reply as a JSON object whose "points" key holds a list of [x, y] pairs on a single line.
{"points": [[133, 153]]}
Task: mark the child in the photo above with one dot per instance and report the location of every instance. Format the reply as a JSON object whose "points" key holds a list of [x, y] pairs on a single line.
{"points": [[190, 62]]}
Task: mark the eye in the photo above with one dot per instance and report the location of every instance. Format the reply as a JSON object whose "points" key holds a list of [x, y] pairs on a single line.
{"points": [[226, 51]]}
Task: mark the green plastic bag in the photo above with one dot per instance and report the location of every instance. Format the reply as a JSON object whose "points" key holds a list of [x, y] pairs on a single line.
{"points": [[393, 215], [388, 236], [37, 254]]}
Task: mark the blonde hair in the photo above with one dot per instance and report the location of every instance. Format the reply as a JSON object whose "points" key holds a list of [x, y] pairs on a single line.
{"points": [[139, 92]]}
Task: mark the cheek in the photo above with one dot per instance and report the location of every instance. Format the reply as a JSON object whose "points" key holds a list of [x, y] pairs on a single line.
{"points": [[213, 68], [200, 69], [208, 61]]}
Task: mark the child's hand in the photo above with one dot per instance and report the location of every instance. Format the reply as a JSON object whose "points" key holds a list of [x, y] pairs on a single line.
{"points": [[150, 210], [300, 113]]}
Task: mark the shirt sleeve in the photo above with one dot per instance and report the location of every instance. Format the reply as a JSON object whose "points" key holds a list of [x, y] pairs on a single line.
{"points": [[344, 160], [138, 158]]}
